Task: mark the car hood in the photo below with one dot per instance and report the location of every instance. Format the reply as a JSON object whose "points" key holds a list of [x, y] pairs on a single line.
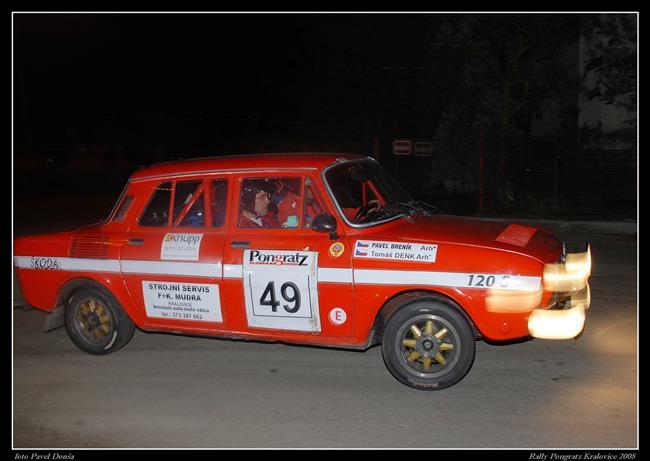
{"points": [[532, 241]]}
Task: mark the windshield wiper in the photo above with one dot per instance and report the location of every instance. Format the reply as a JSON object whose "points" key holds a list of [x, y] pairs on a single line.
{"points": [[416, 207], [428, 208], [412, 209]]}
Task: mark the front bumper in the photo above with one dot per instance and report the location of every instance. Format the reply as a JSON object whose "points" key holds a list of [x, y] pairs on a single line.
{"points": [[566, 319]]}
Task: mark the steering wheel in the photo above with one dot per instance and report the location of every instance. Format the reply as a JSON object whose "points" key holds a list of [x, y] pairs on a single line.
{"points": [[366, 209], [159, 216], [155, 217]]}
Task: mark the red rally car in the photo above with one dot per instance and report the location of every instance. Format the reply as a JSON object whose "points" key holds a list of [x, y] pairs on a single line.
{"points": [[322, 249]]}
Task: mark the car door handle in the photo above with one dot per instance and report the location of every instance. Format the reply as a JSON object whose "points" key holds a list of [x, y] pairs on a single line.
{"points": [[239, 243], [136, 242]]}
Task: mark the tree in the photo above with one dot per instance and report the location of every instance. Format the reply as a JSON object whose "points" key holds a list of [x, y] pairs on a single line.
{"points": [[501, 69], [610, 67]]}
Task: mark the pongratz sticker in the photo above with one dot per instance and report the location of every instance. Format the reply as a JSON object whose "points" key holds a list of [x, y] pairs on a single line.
{"points": [[281, 289], [396, 251], [182, 301], [184, 247]]}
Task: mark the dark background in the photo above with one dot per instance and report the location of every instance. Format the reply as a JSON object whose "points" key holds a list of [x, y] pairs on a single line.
{"points": [[501, 98]]}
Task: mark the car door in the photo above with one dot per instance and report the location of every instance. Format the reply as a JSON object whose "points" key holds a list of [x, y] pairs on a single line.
{"points": [[172, 261], [285, 280]]}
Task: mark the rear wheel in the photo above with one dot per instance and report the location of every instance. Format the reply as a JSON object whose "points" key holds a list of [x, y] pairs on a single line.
{"points": [[96, 323], [428, 345]]}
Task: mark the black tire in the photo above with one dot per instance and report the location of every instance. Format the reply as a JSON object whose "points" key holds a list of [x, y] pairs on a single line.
{"points": [[95, 321], [440, 356]]}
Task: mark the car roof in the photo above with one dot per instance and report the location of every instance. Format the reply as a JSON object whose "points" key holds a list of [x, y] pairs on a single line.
{"points": [[303, 160]]}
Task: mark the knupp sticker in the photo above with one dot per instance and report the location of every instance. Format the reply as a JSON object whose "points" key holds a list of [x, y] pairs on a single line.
{"points": [[183, 247]]}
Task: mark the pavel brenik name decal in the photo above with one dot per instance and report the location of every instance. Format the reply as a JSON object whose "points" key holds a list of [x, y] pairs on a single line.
{"points": [[397, 251]]}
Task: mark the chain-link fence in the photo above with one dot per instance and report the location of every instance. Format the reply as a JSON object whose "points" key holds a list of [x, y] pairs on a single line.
{"points": [[543, 175], [481, 172], [554, 173]]}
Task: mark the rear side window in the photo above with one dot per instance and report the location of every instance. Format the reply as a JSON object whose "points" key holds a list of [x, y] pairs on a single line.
{"points": [[157, 212], [197, 203], [188, 204]]}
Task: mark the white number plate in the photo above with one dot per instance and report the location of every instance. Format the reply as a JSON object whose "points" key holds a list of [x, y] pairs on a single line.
{"points": [[281, 289]]}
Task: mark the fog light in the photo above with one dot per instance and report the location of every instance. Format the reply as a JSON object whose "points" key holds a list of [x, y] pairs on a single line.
{"points": [[512, 302]]}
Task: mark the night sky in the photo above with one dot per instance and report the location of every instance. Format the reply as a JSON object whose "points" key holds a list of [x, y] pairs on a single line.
{"points": [[79, 77], [108, 93]]}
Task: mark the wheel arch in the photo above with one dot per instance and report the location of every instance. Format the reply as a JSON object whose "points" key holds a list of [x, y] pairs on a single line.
{"points": [[112, 287], [404, 298], [74, 284]]}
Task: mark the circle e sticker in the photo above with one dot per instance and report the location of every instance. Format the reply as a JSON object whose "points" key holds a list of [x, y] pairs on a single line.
{"points": [[337, 249], [338, 316]]}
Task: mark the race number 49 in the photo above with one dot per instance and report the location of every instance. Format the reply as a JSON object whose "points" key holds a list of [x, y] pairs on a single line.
{"points": [[269, 298]]}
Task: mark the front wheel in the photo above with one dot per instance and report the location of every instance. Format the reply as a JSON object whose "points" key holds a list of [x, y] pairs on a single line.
{"points": [[428, 345], [96, 323]]}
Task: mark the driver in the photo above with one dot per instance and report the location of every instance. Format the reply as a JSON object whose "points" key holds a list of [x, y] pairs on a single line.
{"points": [[255, 201]]}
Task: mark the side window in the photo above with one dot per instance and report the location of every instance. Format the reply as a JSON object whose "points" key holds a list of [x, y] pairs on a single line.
{"points": [[190, 204], [313, 206], [189, 210], [219, 192], [157, 212], [270, 202], [123, 208]]}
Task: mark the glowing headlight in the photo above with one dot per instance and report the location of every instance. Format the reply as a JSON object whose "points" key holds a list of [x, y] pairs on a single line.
{"points": [[571, 275], [551, 324]]}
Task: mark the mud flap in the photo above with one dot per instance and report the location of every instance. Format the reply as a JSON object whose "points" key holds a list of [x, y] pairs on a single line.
{"points": [[20, 303], [54, 319]]}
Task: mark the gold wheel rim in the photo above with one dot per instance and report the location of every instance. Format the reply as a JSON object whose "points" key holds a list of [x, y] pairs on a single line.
{"points": [[93, 320], [428, 346]]}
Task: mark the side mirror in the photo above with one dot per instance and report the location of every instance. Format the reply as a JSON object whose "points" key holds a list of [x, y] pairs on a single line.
{"points": [[325, 222]]}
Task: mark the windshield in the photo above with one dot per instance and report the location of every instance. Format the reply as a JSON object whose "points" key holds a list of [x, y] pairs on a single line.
{"points": [[365, 194]]}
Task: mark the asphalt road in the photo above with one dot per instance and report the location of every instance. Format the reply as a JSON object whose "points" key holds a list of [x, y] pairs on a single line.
{"points": [[165, 390]]}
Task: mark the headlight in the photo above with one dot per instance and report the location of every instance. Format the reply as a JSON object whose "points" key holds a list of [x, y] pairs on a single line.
{"points": [[571, 275], [549, 324]]}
